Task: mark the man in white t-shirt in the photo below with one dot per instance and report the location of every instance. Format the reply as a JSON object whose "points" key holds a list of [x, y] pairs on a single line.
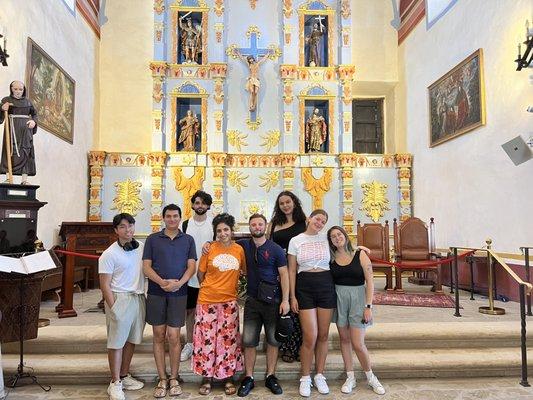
{"points": [[122, 285], [201, 229]]}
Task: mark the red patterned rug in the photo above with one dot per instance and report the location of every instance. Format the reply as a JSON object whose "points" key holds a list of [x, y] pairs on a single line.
{"points": [[414, 299]]}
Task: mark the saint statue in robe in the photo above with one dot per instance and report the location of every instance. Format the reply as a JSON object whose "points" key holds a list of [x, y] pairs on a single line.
{"points": [[190, 127], [316, 131], [22, 126], [252, 82], [313, 41], [190, 40]]}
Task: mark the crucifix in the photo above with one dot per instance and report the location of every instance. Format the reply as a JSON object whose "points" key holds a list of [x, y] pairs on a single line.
{"points": [[253, 57], [319, 19], [313, 41]]}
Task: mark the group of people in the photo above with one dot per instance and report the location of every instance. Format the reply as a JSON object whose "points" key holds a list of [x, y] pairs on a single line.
{"points": [[298, 281]]}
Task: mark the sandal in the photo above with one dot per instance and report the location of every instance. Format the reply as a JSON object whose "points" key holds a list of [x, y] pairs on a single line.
{"points": [[287, 358], [229, 388], [175, 388], [205, 389], [160, 390]]}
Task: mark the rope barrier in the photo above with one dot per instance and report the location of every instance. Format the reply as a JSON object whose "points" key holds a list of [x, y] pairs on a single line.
{"points": [[72, 253], [420, 265]]}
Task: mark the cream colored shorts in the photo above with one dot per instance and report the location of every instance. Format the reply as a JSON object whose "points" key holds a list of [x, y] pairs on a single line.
{"points": [[125, 320]]}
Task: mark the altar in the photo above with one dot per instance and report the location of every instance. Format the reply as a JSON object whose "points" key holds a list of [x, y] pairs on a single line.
{"points": [[251, 98]]}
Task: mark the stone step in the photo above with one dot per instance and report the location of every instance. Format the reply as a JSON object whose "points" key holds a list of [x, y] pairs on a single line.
{"points": [[92, 339], [387, 364]]}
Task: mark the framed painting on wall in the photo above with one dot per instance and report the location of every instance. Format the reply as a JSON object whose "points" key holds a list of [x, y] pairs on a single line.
{"points": [[457, 101], [51, 91]]}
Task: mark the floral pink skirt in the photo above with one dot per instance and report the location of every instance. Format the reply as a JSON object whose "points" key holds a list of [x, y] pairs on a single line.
{"points": [[216, 340]]}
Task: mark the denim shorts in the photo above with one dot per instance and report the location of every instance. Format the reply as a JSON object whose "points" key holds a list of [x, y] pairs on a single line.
{"points": [[256, 315]]}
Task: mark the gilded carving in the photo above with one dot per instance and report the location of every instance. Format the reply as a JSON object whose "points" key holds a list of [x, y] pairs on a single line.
{"points": [[237, 139], [159, 6], [188, 185], [158, 30], [347, 122], [347, 92], [287, 91], [346, 35], [287, 8], [253, 4], [345, 9], [317, 188], [269, 180], [287, 29], [237, 180], [346, 72], [158, 68], [219, 7], [317, 161], [287, 122], [219, 91], [253, 125], [218, 70], [218, 115], [249, 208], [374, 202], [270, 140], [219, 30], [127, 198], [157, 93], [288, 71]]}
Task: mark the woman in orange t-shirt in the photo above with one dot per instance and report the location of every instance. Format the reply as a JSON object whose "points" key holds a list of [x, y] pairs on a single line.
{"points": [[216, 340]]}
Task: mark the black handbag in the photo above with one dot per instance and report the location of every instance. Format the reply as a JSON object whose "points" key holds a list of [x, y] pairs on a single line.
{"points": [[268, 292]]}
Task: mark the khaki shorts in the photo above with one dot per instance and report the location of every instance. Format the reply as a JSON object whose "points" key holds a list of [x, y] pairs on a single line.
{"points": [[125, 320]]}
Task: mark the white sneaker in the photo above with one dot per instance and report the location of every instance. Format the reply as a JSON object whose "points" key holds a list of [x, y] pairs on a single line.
{"points": [[348, 385], [130, 383], [376, 386], [305, 386], [186, 352], [320, 383], [114, 390]]}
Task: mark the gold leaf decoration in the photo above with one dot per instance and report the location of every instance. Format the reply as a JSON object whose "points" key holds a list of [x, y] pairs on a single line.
{"points": [[188, 185], [253, 125], [127, 199], [271, 139], [237, 139], [237, 180], [374, 202], [274, 53], [270, 179], [317, 188]]}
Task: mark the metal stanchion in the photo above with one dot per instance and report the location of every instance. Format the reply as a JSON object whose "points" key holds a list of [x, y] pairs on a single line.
{"points": [[470, 261], [456, 278], [526, 255], [523, 348], [490, 309]]}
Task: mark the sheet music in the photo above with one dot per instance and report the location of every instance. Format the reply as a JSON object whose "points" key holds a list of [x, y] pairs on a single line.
{"points": [[9, 264], [37, 262]]}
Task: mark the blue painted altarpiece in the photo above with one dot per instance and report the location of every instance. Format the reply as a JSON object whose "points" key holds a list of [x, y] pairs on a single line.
{"points": [[251, 97]]}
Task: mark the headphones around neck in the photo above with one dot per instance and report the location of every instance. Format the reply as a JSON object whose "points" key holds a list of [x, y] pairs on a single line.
{"points": [[129, 246]]}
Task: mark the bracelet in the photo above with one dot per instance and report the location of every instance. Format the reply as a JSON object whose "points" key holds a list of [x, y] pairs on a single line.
{"points": [[369, 306]]}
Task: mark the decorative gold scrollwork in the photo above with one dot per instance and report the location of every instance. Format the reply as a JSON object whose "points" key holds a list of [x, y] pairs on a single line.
{"points": [[374, 202], [270, 179], [317, 188], [237, 180], [127, 197], [188, 185]]}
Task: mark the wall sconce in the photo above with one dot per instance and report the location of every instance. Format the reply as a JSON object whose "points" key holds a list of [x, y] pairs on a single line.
{"points": [[524, 61], [3, 51]]}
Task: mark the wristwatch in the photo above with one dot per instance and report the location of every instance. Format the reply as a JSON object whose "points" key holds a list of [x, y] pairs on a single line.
{"points": [[369, 306]]}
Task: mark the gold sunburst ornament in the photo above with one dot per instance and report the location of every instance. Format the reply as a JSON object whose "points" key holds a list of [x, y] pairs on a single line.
{"points": [[237, 180], [270, 179], [127, 199], [271, 139], [374, 202], [237, 139]]}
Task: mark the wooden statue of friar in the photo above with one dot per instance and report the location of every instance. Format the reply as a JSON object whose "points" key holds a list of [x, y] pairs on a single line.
{"points": [[21, 124]]}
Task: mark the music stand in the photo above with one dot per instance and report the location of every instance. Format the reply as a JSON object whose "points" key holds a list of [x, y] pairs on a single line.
{"points": [[22, 310]]}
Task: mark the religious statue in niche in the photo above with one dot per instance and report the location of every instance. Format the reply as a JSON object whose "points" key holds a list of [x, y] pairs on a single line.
{"points": [[314, 43], [189, 131], [190, 39], [18, 153], [252, 82], [316, 132]]}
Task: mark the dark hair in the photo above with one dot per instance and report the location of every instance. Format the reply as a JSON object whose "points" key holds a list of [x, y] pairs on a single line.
{"points": [[319, 211], [223, 218], [347, 246], [257, 215], [11, 89], [172, 207], [206, 197], [117, 219], [279, 218]]}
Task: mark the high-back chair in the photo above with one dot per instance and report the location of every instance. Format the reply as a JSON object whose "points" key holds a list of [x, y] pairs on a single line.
{"points": [[376, 238], [411, 245]]}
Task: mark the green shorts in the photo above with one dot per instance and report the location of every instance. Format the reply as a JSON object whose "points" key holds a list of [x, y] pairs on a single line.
{"points": [[351, 303]]}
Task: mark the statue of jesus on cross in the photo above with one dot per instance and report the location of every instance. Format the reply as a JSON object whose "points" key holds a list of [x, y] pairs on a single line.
{"points": [[252, 82]]}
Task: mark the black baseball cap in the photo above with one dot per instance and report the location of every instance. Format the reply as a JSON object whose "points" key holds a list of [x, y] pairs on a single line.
{"points": [[284, 327]]}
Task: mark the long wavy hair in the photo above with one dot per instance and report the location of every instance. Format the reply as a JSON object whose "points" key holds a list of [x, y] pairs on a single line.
{"points": [[348, 247], [279, 217]]}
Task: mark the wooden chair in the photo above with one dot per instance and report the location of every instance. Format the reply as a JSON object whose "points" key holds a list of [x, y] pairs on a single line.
{"points": [[376, 238], [411, 245]]}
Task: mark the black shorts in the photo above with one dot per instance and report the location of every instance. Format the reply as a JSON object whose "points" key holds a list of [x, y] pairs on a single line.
{"points": [[256, 315], [192, 297], [315, 290]]}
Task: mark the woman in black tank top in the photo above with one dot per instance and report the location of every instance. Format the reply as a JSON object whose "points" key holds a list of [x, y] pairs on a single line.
{"points": [[287, 222], [354, 285]]}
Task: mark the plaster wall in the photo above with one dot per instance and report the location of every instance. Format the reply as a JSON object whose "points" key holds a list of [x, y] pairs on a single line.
{"points": [[61, 166], [469, 184], [125, 78]]}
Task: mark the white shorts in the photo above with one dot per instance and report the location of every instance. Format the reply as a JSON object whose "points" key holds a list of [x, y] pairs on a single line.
{"points": [[125, 320]]}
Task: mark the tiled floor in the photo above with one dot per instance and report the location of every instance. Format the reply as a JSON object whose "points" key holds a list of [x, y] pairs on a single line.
{"points": [[414, 389]]}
